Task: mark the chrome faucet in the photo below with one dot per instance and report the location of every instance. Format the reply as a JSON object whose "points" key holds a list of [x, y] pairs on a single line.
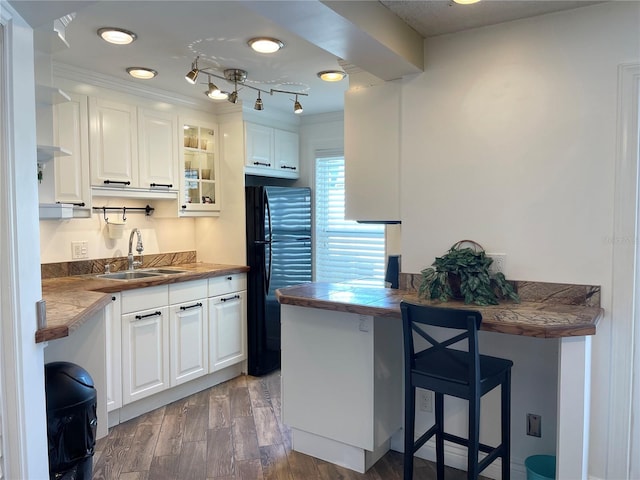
{"points": [[131, 264]]}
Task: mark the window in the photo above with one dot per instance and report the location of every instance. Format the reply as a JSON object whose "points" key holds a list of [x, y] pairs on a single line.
{"points": [[345, 249]]}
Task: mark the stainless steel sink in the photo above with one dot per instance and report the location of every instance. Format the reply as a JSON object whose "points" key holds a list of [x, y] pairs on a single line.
{"points": [[163, 271], [128, 275]]}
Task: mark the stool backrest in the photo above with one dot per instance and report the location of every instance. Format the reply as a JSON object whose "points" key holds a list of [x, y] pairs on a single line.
{"points": [[465, 322]]}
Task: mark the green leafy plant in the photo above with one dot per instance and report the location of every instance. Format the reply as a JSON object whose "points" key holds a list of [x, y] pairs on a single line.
{"points": [[463, 273]]}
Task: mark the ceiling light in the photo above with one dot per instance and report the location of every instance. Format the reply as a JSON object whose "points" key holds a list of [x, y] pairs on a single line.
{"points": [[297, 107], [233, 97], [258, 105], [331, 75], [218, 95], [192, 75], [265, 44], [117, 36], [142, 73], [213, 91], [465, 2]]}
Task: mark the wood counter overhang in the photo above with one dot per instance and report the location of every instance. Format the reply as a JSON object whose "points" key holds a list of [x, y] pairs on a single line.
{"points": [[71, 301], [532, 319]]}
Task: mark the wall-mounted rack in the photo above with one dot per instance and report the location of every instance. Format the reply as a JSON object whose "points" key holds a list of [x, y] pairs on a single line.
{"points": [[147, 211]]}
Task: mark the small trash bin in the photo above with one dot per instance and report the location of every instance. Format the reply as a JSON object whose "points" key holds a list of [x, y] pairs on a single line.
{"points": [[71, 421], [541, 467]]}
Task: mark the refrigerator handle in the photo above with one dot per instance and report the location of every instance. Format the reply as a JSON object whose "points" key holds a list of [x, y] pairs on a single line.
{"points": [[267, 271]]}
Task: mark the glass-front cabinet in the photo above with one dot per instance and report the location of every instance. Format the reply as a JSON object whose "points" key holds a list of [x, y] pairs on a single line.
{"points": [[200, 192]]}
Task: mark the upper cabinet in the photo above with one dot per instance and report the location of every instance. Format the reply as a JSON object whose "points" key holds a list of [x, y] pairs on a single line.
{"points": [[372, 153], [199, 166], [133, 150], [71, 172], [271, 152]]}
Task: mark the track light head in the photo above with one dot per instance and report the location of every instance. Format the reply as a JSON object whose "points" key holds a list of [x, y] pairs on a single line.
{"points": [[297, 106], [192, 75], [233, 97], [258, 105], [213, 92]]}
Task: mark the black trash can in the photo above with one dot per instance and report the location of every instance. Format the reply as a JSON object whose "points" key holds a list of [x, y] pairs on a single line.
{"points": [[71, 421]]}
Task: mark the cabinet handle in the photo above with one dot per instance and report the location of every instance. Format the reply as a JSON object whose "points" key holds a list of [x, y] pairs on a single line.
{"points": [[233, 297], [156, 313], [184, 206], [287, 167], [76, 204], [262, 164], [113, 299], [187, 307], [121, 182], [168, 185], [229, 278]]}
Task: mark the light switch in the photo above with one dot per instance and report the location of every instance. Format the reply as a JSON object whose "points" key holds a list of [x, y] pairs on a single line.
{"points": [[79, 250]]}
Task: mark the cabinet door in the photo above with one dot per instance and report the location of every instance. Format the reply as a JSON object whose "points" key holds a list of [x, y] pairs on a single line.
{"points": [[157, 149], [189, 341], [114, 143], [114, 353], [200, 170], [227, 330], [145, 353], [258, 146], [372, 153], [286, 153], [71, 132]]}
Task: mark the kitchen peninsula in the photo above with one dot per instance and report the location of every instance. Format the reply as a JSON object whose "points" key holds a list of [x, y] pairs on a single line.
{"points": [[342, 360]]}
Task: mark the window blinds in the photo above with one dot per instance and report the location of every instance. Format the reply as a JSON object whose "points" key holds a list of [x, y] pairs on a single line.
{"points": [[345, 250]]}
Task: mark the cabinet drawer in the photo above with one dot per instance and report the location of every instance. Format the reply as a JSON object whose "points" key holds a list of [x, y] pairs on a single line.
{"points": [[187, 291], [227, 283], [144, 298]]}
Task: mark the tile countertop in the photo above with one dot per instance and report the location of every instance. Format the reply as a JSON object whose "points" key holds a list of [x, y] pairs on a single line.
{"points": [[533, 319], [70, 301]]}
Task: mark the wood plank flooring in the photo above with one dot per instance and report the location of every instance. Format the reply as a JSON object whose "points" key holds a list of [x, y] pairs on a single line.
{"points": [[232, 431]]}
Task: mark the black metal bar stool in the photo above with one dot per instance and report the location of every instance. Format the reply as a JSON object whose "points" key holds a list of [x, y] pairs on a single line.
{"points": [[462, 374]]}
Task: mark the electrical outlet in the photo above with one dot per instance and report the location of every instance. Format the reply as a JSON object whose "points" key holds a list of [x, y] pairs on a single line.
{"points": [[534, 425], [425, 400], [499, 260], [79, 250]]}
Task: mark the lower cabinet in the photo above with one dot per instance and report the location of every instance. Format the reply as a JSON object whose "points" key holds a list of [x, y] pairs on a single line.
{"points": [[227, 330], [164, 336]]}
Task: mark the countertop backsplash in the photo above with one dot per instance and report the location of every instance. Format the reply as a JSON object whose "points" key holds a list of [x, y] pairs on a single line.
{"points": [[97, 265]]}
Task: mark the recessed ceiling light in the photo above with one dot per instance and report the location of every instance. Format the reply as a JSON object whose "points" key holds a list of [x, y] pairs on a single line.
{"points": [[465, 2], [142, 73], [331, 75], [265, 44], [117, 36]]}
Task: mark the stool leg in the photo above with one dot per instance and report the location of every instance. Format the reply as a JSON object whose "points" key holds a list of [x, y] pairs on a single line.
{"points": [[409, 427], [505, 395], [474, 437], [439, 417]]}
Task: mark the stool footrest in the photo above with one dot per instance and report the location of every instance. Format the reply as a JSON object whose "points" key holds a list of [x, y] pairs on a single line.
{"points": [[424, 438], [465, 442]]}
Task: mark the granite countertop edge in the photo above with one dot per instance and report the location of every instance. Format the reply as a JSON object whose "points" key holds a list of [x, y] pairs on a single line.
{"points": [[533, 319], [71, 301]]}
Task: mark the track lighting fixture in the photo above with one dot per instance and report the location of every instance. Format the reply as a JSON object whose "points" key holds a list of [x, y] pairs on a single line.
{"points": [[258, 105], [235, 76], [192, 75], [297, 107]]}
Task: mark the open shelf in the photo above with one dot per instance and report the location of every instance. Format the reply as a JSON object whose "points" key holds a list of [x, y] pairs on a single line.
{"points": [[47, 152]]}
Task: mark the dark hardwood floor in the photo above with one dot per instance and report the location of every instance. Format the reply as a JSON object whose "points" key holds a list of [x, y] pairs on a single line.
{"points": [[232, 431]]}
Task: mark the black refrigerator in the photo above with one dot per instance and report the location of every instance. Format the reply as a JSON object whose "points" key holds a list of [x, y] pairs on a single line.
{"points": [[279, 255]]}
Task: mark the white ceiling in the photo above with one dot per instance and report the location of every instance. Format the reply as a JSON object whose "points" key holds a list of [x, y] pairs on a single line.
{"points": [[172, 33]]}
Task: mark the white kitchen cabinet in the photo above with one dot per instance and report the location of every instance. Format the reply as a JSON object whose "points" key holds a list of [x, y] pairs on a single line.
{"points": [[145, 342], [113, 320], [227, 330], [188, 335], [133, 151], [372, 153], [271, 152], [227, 320], [157, 149], [114, 143], [200, 170], [71, 172]]}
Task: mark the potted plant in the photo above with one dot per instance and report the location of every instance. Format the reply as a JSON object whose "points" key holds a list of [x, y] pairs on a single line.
{"points": [[463, 273]]}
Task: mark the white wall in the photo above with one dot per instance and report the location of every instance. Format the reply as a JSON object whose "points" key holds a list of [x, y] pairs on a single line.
{"points": [[509, 139]]}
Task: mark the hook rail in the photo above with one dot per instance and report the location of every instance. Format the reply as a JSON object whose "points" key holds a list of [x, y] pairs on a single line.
{"points": [[147, 211]]}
